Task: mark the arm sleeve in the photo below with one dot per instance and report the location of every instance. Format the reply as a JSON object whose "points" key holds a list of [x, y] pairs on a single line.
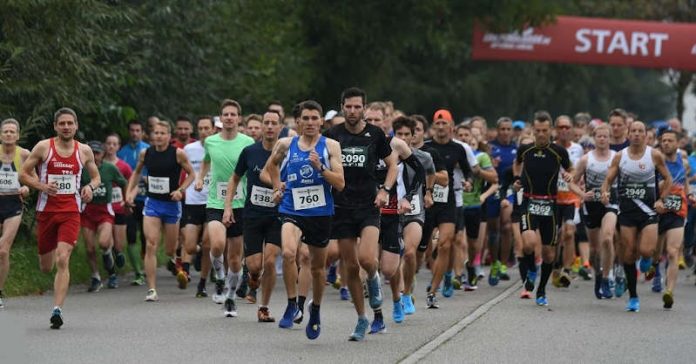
{"points": [[118, 177], [418, 179], [383, 147]]}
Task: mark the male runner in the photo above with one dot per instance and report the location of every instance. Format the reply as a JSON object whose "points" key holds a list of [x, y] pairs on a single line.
{"points": [[184, 130], [303, 170], [162, 208], [636, 166], [357, 206], [222, 152], [60, 161], [261, 229], [619, 127], [11, 194], [536, 169]]}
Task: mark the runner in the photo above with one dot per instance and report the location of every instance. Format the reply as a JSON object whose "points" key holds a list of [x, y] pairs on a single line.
{"points": [[194, 208], [97, 219], [162, 209], [357, 206], [134, 222], [303, 170], [537, 168], [261, 223], [222, 152], [619, 127], [599, 219], [111, 145], [636, 166], [184, 130], [60, 161], [11, 194]]}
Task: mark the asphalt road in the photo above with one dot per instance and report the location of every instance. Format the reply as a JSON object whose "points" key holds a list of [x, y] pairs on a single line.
{"points": [[491, 325]]}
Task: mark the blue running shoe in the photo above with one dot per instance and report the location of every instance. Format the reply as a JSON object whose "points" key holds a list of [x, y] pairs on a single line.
{"points": [[448, 287], [374, 289], [314, 325], [620, 286], [360, 329], [345, 295], [606, 289], [409, 307], [529, 283], [633, 305], [398, 312], [542, 301], [378, 326], [331, 276], [56, 318], [113, 281], [644, 264], [289, 315], [657, 281]]}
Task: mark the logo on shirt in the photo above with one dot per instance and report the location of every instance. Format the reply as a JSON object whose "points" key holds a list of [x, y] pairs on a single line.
{"points": [[641, 166], [539, 154], [306, 171], [257, 169], [58, 164], [368, 134]]}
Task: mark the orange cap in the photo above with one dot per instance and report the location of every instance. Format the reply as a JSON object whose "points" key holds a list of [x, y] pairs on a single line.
{"points": [[443, 114]]}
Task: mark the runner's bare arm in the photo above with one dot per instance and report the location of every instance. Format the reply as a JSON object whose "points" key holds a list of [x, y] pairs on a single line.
{"points": [[270, 174], [91, 167], [489, 175], [334, 175], [612, 172], [580, 169], [27, 175], [183, 161], [132, 189], [400, 147], [661, 167], [205, 168], [231, 186]]}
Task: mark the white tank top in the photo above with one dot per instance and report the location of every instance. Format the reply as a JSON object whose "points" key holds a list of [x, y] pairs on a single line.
{"points": [[637, 182]]}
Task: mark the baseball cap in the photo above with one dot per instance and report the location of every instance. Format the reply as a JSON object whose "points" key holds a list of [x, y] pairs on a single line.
{"points": [[443, 114], [330, 114], [218, 122], [96, 146], [518, 124]]}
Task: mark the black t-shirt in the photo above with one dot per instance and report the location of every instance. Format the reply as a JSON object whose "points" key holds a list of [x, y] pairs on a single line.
{"points": [[541, 165], [360, 154], [259, 195], [450, 155], [619, 147]]}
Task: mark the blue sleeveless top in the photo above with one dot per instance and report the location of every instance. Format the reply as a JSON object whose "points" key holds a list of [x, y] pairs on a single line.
{"points": [[307, 193]]}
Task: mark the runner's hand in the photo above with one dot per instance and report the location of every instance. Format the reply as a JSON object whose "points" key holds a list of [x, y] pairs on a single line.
{"points": [[382, 198], [589, 196], [428, 200], [228, 217], [314, 160], [24, 191], [199, 185], [176, 195], [405, 206], [605, 198], [50, 188], [660, 207], [517, 186], [86, 194]]}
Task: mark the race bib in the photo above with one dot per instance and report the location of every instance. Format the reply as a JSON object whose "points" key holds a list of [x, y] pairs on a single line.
{"points": [[308, 197], [261, 196], [99, 191], [597, 195], [222, 191], [66, 183], [540, 207], [9, 180], [354, 156], [562, 185], [415, 206], [673, 202], [635, 191], [440, 193], [158, 185], [116, 195]]}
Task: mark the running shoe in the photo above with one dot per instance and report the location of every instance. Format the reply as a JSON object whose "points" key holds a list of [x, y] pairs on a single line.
{"points": [[56, 318], [201, 291], [113, 281], [313, 328], [575, 268], [682, 263], [378, 326], [108, 260], [289, 315], [657, 282], [644, 264], [299, 315], [264, 315], [409, 307], [344, 293], [243, 287], [633, 305], [470, 287], [503, 275], [525, 295], [251, 296], [360, 329], [542, 301], [219, 295], [650, 274], [151, 296], [564, 279], [431, 301], [331, 276], [606, 289], [95, 285], [598, 287], [171, 267], [139, 280], [480, 274], [556, 278], [374, 289], [585, 273], [620, 286], [668, 300], [398, 311], [457, 282], [493, 277], [120, 260], [230, 308], [529, 282], [447, 287], [182, 278]]}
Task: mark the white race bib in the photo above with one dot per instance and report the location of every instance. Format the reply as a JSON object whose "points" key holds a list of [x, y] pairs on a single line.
{"points": [[415, 206], [308, 197], [159, 185], [222, 191], [116, 195], [261, 196], [440, 193], [9, 180], [66, 183]]}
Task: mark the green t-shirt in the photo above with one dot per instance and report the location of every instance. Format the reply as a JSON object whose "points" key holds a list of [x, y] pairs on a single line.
{"points": [[471, 199], [109, 174], [223, 156]]}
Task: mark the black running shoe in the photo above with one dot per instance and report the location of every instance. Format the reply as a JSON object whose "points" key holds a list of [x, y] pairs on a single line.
{"points": [[171, 267], [56, 318], [201, 291]]}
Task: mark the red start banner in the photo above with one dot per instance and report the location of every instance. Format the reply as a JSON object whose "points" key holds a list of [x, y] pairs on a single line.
{"points": [[594, 41]]}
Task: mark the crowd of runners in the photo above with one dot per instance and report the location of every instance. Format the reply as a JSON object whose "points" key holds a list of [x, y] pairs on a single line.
{"points": [[350, 198]]}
